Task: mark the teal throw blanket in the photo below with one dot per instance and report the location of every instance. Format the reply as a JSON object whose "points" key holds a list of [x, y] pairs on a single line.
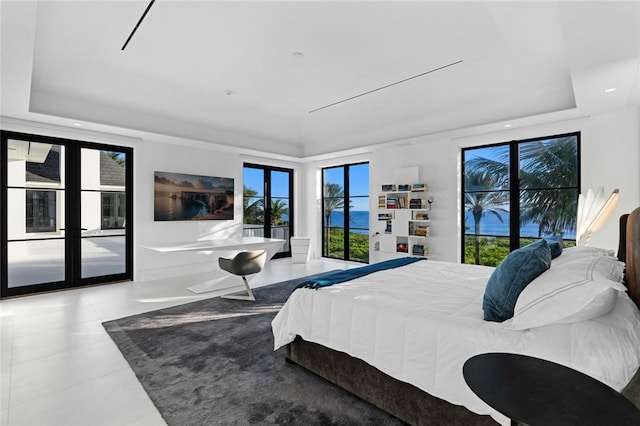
{"points": [[337, 277]]}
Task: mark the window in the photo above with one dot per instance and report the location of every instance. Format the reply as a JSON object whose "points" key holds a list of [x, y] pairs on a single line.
{"points": [[517, 192], [113, 210], [345, 200], [41, 211]]}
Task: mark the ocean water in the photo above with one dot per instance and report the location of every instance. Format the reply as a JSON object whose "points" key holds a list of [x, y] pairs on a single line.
{"points": [[359, 223], [491, 225]]}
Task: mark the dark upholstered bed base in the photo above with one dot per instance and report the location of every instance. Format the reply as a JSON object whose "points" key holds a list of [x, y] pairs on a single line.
{"points": [[405, 401]]}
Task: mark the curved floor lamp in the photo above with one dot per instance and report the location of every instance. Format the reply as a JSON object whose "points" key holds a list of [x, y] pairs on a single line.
{"points": [[593, 212]]}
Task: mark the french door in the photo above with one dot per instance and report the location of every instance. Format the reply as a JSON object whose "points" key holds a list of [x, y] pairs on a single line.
{"points": [[268, 204], [345, 205], [66, 213]]}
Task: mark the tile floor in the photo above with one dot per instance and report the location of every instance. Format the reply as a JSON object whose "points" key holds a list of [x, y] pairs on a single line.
{"points": [[59, 367]]}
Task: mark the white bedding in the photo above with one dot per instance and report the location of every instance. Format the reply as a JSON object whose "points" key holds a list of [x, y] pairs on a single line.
{"points": [[419, 323]]}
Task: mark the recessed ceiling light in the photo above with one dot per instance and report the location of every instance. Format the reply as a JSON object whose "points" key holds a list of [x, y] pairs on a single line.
{"points": [[77, 124], [610, 90], [298, 55], [228, 92], [507, 125]]}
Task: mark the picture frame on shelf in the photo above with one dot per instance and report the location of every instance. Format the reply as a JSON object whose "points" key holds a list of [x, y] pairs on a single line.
{"points": [[404, 188]]}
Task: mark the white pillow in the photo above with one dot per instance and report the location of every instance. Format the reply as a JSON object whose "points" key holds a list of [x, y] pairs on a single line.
{"points": [[581, 252], [601, 261], [577, 290]]}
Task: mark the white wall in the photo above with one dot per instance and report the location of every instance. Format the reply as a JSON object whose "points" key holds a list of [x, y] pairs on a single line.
{"points": [[310, 198], [436, 162], [151, 156]]}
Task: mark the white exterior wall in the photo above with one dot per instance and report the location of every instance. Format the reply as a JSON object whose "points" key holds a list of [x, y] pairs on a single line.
{"points": [[91, 200], [16, 199]]}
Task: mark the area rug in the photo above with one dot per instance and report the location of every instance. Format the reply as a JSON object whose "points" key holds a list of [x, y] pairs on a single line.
{"points": [[212, 362]]}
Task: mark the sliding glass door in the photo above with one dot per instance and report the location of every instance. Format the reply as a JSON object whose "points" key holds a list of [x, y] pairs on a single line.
{"points": [[66, 214]]}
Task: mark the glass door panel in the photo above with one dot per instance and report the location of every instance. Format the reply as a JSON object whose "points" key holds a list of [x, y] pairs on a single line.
{"points": [[103, 212], [253, 202], [359, 212], [35, 213], [280, 208]]}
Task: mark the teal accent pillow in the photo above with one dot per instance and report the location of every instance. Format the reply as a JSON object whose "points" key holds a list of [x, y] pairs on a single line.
{"points": [[511, 276], [556, 247]]}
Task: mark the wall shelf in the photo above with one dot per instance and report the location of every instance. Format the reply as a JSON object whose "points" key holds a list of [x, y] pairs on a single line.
{"points": [[404, 222]]}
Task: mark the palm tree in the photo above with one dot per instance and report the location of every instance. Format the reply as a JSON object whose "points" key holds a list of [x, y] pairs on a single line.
{"points": [[118, 157], [544, 165], [279, 208], [252, 208], [482, 201], [333, 200], [549, 165]]}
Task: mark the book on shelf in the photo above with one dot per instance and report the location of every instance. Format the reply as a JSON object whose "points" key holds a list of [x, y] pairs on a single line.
{"points": [[418, 250], [388, 227], [388, 188], [404, 188], [420, 216], [421, 231], [391, 203], [418, 230], [417, 203], [382, 201]]}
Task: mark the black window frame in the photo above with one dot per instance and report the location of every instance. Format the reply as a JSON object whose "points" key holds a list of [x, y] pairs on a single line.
{"points": [[115, 196], [29, 203], [514, 186]]}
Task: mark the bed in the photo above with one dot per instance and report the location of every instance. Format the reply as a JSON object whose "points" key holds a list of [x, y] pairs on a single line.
{"points": [[383, 339]]}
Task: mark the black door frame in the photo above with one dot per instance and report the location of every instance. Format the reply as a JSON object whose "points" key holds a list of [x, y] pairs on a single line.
{"points": [[347, 213], [73, 276], [267, 196]]}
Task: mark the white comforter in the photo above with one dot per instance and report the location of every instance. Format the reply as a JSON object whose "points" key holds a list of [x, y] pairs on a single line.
{"points": [[419, 323]]}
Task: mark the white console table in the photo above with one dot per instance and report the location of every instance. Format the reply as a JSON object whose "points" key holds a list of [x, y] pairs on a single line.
{"points": [[271, 245]]}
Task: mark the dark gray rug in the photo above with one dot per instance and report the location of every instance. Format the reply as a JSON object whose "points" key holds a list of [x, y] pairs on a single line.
{"points": [[212, 362]]}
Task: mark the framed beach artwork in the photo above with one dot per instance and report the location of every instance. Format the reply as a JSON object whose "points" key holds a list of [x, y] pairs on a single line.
{"points": [[179, 196]]}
